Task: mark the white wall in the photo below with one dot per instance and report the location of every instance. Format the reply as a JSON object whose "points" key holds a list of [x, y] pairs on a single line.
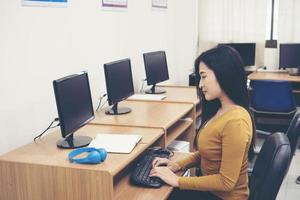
{"points": [[40, 44], [226, 21], [246, 21]]}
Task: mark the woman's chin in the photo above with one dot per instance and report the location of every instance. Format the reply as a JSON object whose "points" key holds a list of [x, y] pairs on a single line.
{"points": [[208, 98]]}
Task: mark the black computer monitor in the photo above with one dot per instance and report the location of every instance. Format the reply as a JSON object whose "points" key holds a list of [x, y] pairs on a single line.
{"points": [[119, 85], [156, 70], [246, 51], [289, 56], [74, 107]]}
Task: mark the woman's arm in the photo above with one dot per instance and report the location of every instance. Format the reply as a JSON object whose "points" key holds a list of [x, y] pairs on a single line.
{"points": [[190, 161]]}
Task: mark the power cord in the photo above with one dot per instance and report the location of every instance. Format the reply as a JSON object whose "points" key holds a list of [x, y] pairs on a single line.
{"points": [[100, 100], [142, 88], [103, 104], [49, 127]]}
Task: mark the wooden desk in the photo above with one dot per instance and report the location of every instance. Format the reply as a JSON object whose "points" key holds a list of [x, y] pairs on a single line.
{"points": [[179, 94], [273, 76], [295, 80], [182, 94], [42, 171], [176, 119]]}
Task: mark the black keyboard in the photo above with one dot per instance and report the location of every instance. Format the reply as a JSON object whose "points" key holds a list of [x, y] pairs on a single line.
{"points": [[140, 174]]}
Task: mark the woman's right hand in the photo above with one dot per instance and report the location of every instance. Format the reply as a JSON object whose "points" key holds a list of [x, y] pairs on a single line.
{"points": [[173, 166]]}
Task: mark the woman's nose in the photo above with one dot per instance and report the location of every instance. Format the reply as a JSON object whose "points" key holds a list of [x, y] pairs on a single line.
{"points": [[200, 84]]}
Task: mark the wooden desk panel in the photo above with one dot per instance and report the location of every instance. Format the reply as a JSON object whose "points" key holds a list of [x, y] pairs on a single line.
{"points": [[176, 119], [22, 181], [146, 114], [42, 171], [183, 94], [273, 76], [180, 94]]}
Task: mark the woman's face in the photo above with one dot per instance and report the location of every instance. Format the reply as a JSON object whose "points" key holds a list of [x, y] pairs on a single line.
{"points": [[208, 83]]}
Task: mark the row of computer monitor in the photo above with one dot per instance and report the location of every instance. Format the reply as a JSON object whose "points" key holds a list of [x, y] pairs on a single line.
{"points": [[73, 95], [289, 53]]}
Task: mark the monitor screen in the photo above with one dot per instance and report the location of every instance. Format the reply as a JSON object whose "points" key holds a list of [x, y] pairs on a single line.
{"points": [[246, 51], [156, 67], [74, 102], [289, 55], [118, 77]]}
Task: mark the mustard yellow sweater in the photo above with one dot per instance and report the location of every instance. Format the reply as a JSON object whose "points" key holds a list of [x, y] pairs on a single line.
{"points": [[223, 146]]}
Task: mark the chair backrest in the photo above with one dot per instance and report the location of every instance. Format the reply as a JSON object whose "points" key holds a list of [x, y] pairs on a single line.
{"points": [[270, 167], [272, 96], [293, 132]]}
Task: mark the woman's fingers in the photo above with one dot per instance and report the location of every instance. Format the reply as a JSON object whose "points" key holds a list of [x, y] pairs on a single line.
{"points": [[158, 161], [166, 175], [154, 172], [155, 162]]}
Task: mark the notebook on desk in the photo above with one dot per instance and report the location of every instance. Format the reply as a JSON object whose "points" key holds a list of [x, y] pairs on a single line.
{"points": [[116, 143], [154, 97]]}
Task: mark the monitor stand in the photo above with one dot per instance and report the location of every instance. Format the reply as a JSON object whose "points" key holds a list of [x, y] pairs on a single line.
{"points": [[117, 111], [73, 142], [297, 73], [154, 90]]}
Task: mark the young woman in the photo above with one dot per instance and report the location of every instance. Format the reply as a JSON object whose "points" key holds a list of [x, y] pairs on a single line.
{"points": [[225, 137]]}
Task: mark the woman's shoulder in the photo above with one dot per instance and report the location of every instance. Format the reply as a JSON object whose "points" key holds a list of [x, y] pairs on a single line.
{"points": [[238, 113]]}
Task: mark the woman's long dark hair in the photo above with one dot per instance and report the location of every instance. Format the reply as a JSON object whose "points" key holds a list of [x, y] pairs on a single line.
{"points": [[227, 65]]}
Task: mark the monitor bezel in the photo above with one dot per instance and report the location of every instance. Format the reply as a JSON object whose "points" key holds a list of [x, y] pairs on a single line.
{"points": [[59, 109], [280, 59], [243, 43], [149, 81], [107, 82]]}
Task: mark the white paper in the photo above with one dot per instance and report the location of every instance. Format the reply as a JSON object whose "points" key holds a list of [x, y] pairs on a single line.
{"points": [[155, 97], [116, 143]]}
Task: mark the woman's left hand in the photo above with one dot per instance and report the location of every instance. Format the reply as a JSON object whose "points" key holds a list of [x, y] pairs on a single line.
{"points": [[165, 174]]}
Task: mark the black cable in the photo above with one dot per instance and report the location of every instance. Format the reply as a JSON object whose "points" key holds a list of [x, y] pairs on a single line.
{"points": [[100, 102], [49, 127], [103, 104], [55, 126]]}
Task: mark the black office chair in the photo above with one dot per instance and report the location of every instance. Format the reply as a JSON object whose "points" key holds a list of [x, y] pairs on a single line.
{"points": [[272, 104], [293, 134], [270, 167]]}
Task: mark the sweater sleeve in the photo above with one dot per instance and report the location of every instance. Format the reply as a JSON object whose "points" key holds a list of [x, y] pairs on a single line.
{"points": [[235, 137], [190, 161]]}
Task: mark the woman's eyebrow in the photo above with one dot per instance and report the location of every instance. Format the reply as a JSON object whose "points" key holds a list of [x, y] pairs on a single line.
{"points": [[202, 72]]}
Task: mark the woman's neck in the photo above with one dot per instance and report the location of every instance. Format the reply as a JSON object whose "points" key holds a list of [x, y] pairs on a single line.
{"points": [[226, 104]]}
